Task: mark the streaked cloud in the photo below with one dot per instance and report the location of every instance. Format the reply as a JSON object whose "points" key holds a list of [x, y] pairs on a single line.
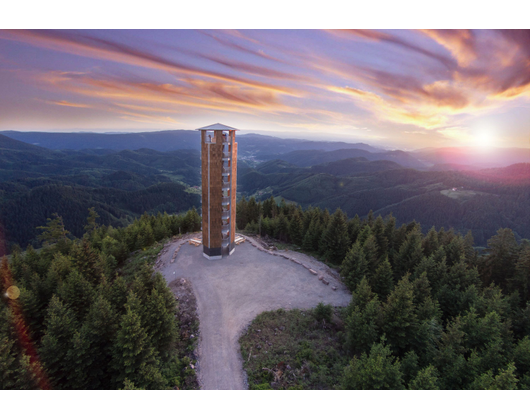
{"points": [[364, 83]]}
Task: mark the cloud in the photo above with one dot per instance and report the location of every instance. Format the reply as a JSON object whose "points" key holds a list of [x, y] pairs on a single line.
{"points": [[68, 104], [378, 36], [89, 46], [191, 94], [238, 47], [460, 42]]}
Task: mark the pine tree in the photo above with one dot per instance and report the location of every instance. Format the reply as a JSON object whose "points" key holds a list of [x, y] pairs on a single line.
{"points": [[378, 230], [160, 308], [504, 380], [499, 265], [399, 317], [334, 243], [410, 254], [282, 228], [54, 231], [78, 292], [362, 329], [364, 234], [354, 267], [390, 232], [311, 236], [378, 370], [520, 281], [145, 237], [370, 251], [242, 213], [448, 357], [133, 354], [354, 228], [91, 221], [382, 282], [8, 365], [79, 359], [430, 242], [427, 378], [87, 261], [296, 229], [60, 329], [101, 324]]}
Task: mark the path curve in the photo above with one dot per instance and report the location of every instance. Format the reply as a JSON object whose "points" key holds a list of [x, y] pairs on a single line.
{"points": [[232, 291]]}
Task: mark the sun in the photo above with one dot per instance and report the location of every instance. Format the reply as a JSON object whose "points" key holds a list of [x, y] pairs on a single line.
{"points": [[484, 139]]}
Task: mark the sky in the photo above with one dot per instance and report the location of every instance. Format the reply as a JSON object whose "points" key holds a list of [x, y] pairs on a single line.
{"points": [[397, 88]]}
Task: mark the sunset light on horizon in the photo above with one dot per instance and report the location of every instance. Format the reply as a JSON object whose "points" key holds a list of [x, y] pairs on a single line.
{"points": [[397, 88]]}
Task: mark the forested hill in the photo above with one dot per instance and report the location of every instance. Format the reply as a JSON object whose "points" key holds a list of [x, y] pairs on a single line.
{"points": [[427, 311], [36, 182], [317, 157], [481, 201], [251, 144]]}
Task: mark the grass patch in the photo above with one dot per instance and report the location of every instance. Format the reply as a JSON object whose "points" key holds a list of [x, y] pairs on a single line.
{"points": [[296, 349], [143, 256]]}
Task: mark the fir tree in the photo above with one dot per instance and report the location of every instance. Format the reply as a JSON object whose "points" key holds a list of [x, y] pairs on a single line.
{"points": [[370, 251], [382, 282], [378, 370], [399, 317], [409, 255], [132, 351], [282, 228], [100, 327], [91, 221], [362, 328], [334, 243], [60, 329], [427, 378], [354, 267], [378, 230], [296, 227], [354, 228], [54, 231], [430, 242]]}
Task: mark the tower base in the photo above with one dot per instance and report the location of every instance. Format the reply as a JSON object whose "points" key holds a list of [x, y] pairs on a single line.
{"points": [[212, 253]]}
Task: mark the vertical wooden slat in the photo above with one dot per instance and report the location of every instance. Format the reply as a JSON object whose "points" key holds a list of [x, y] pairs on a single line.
{"points": [[204, 177], [233, 190]]}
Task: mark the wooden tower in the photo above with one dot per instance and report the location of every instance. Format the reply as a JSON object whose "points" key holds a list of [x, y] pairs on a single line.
{"points": [[219, 181]]}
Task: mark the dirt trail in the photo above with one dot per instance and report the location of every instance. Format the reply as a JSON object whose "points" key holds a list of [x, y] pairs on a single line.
{"points": [[232, 291]]}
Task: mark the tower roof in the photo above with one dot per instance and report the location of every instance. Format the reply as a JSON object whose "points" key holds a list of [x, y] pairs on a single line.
{"points": [[218, 126]]}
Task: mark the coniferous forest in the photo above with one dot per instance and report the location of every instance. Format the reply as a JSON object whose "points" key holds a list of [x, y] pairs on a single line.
{"points": [[90, 314], [427, 311]]}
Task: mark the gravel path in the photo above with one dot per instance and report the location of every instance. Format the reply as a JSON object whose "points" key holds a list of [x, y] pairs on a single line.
{"points": [[232, 291]]}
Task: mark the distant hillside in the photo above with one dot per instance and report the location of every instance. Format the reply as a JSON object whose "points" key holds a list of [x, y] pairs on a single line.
{"points": [[354, 166], [258, 144], [8, 143], [306, 158], [481, 201], [275, 166], [249, 144], [492, 158], [160, 140], [27, 161], [23, 209], [439, 167]]}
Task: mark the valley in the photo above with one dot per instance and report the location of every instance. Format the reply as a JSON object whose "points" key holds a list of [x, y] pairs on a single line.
{"points": [[36, 182]]}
